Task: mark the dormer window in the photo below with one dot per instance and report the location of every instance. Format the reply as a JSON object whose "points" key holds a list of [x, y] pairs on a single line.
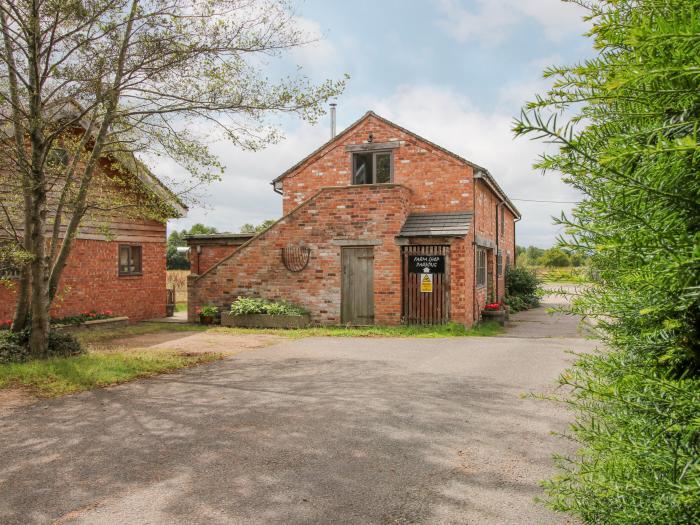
{"points": [[372, 167]]}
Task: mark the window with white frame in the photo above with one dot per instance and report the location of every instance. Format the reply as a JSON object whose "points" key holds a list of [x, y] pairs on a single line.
{"points": [[374, 167]]}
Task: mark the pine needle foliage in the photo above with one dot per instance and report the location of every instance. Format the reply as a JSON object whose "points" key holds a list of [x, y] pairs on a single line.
{"points": [[626, 125]]}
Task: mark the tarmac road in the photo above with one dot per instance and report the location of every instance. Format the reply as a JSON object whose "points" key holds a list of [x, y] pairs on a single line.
{"points": [[322, 430]]}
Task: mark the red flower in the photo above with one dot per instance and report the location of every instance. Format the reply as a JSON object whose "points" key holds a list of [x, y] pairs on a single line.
{"points": [[493, 306]]}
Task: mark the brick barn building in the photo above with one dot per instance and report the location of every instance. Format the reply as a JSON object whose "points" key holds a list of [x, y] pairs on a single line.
{"points": [[380, 226], [117, 262]]}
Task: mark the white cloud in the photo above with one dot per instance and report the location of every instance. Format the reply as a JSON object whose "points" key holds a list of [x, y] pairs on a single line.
{"points": [[319, 54], [490, 20], [244, 194]]}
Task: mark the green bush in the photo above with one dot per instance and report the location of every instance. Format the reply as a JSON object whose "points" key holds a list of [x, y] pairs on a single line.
{"points": [[640, 428], [255, 305], [631, 147], [522, 285], [11, 352], [14, 347]]}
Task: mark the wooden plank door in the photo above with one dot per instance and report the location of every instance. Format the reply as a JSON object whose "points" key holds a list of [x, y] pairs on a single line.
{"points": [[418, 306], [357, 286]]}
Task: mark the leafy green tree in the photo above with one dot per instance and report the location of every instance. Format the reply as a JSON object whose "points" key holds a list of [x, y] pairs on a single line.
{"points": [[533, 255], [105, 78], [626, 123], [200, 229], [555, 258], [176, 260], [251, 228]]}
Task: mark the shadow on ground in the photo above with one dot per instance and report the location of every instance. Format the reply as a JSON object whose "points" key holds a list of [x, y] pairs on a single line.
{"points": [[289, 440]]}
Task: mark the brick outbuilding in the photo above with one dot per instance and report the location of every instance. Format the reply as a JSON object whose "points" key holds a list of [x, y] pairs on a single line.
{"points": [[117, 260], [380, 226]]}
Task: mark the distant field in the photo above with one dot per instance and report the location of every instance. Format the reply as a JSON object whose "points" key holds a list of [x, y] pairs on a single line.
{"points": [[178, 279], [568, 274]]}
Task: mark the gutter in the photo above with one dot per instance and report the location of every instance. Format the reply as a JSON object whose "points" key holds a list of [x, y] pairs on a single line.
{"points": [[493, 185]]}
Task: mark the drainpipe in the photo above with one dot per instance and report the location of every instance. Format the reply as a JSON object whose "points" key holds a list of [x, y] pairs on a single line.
{"points": [[475, 315], [498, 206]]}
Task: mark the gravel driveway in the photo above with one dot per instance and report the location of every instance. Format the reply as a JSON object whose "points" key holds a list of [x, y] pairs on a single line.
{"points": [[366, 431]]}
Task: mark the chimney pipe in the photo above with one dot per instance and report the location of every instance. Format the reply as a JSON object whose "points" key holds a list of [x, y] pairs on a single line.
{"points": [[333, 105]]}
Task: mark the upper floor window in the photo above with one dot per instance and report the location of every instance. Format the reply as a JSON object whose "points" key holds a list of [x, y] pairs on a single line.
{"points": [[374, 167]]}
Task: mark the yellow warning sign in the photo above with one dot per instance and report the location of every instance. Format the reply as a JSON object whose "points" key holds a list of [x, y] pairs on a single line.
{"points": [[426, 283]]}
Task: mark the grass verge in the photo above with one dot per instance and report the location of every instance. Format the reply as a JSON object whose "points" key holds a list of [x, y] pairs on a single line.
{"points": [[59, 376], [89, 337], [447, 330]]}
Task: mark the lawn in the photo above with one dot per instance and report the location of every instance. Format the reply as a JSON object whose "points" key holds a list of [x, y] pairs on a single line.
{"points": [[90, 337], [427, 331], [446, 330], [59, 376], [567, 275]]}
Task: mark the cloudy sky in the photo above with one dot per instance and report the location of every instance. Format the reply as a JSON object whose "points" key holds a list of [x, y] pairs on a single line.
{"points": [[453, 71]]}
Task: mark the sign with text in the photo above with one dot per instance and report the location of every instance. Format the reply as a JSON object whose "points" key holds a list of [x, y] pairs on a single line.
{"points": [[426, 283], [426, 263]]}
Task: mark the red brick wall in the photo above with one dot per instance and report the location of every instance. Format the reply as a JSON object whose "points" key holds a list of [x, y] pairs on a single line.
{"points": [[487, 213], [439, 181], [91, 282], [356, 213], [209, 256]]}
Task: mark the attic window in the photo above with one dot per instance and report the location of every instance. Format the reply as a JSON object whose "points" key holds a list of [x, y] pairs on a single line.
{"points": [[375, 167]]}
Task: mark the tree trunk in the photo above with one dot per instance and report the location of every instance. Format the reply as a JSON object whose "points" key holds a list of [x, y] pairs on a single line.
{"points": [[40, 303], [19, 322]]}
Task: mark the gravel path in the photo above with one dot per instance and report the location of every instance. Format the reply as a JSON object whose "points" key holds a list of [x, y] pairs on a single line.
{"points": [[322, 430]]}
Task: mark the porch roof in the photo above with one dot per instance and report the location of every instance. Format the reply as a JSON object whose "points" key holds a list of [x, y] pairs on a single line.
{"points": [[436, 225]]}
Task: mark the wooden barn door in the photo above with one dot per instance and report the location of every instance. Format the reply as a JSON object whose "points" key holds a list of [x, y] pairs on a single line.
{"points": [[426, 295], [357, 287]]}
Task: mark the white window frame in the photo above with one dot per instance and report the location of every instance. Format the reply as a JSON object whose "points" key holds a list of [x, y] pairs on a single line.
{"points": [[374, 166]]}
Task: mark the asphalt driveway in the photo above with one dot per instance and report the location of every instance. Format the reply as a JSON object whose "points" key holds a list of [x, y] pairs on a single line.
{"points": [[385, 431]]}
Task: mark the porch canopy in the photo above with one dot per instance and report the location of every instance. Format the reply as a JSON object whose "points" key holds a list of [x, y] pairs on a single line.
{"points": [[436, 225]]}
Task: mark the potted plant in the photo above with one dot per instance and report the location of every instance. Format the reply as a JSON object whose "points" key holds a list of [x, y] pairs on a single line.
{"points": [[495, 312], [207, 314]]}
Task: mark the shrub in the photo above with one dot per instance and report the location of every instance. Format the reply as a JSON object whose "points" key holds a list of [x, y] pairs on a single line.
{"points": [[14, 346], [521, 288], [11, 352], [82, 317], [641, 434], [208, 311], [630, 145], [255, 305]]}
